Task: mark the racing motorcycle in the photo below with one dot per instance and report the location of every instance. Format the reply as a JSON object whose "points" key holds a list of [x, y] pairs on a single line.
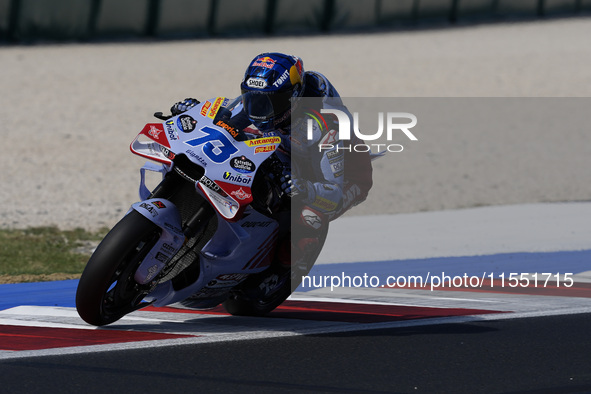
{"points": [[206, 234]]}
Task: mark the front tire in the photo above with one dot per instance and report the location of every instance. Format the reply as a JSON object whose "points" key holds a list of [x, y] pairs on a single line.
{"points": [[107, 290]]}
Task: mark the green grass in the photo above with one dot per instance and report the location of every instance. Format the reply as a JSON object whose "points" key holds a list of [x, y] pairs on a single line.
{"points": [[38, 252]]}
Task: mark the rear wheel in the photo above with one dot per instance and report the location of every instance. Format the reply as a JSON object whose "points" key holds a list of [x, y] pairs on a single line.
{"points": [[253, 305], [107, 290], [268, 290]]}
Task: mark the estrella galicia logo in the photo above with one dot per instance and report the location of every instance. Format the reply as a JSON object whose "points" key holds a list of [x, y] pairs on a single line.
{"points": [[186, 123], [242, 164]]}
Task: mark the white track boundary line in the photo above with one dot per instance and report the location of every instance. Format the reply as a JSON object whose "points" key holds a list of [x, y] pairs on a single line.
{"points": [[338, 328]]}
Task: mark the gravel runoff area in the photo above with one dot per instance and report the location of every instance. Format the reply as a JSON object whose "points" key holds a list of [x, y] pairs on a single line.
{"points": [[70, 111]]}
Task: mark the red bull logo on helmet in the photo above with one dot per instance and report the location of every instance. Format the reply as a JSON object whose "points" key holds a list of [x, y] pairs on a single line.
{"points": [[299, 66], [264, 61], [295, 72]]}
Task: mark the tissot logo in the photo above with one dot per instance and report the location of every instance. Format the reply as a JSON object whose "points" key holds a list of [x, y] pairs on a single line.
{"points": [[393, 124]]}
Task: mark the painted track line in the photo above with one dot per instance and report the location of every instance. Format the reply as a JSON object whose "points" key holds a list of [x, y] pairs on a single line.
{"points": [[359, 309], [263, 334]]}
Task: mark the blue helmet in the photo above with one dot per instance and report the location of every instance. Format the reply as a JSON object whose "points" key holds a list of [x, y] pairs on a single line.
{"points": [[270, 81]]}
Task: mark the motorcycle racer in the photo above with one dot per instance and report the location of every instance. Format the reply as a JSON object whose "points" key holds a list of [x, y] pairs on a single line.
{"points": [[325, 183]]}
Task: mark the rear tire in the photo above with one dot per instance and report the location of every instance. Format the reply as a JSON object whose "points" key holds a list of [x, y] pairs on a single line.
{"points": [[249, 305], [240, 305], [107, 290]]}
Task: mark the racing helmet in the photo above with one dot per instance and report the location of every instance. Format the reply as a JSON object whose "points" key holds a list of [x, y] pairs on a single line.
{"points": [[269, 83]]}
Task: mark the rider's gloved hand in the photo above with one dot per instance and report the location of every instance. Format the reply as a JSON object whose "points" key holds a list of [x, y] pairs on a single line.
{"points": [[303, 190], [297, 188], [183, 106]]}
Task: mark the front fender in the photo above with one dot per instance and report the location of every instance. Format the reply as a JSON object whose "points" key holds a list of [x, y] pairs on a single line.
{"points": [[165, 215]]}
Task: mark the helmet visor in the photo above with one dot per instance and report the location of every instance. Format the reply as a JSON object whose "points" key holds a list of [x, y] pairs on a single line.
{"points": [[258, 106], [265, 106]]}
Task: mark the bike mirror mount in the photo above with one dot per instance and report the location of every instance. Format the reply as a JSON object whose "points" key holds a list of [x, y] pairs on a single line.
{"points": [[161, 116]]}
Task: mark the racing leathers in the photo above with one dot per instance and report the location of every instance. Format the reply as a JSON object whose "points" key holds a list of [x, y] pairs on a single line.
{"points": [[327, 175], [324, 183]]}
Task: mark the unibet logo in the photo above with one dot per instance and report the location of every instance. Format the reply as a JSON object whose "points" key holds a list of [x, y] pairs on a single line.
{"points": [[236, 178]]}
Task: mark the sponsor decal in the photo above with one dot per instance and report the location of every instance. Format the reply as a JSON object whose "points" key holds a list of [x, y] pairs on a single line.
{"points": [[324, 204], [205, 181], [168, 248], [257, 83], [161, 257], [281, 79], [166, 152], [216, 106], [204, 108], [173, 228], [153, 270], [264, 61], [154, 148], [329, 138], [263, 141], [295, 74], [154, 132], [241, 194], [334, 154], [237, 178], [197, 158], [186, 123], [172, 135], [231, 205], [299, 66], [264, 149], [337, 167], [149, 208], [311, 218], [242, 164], [159, 204], [232, 130]]}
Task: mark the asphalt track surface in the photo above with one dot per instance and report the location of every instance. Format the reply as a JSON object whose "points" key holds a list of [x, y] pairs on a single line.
{"points": [[535, 355], [494, 338], [521, 349]]}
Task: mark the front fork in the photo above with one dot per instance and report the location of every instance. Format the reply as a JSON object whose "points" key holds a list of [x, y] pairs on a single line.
{"points": [[158, 208], [165, 215]]}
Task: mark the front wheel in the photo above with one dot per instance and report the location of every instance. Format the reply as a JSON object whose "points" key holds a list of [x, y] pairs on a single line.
{"points": [[107, 290]]}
